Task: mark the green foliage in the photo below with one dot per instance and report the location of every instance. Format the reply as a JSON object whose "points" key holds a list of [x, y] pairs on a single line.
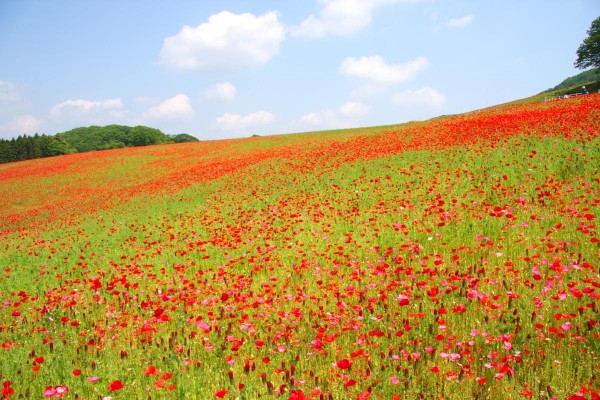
{"points": [[28, 147], [57, 146], [183, 138], [112, 137], [144, 136], [588, 53]]}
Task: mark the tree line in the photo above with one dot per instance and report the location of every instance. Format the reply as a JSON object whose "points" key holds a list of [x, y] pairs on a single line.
{"points": [[84, 139]]}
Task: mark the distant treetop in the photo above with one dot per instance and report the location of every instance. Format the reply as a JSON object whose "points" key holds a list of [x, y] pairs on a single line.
{"points": [[588, 53]]}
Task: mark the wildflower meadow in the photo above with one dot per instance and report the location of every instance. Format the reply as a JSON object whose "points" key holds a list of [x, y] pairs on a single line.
{"points": [[452, 258]]}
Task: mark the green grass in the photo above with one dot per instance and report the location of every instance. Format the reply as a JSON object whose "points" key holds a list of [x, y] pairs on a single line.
{"points": [[319, 248]]}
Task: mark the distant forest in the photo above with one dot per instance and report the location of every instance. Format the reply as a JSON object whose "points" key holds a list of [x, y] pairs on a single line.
{"points": [[80, 140]]}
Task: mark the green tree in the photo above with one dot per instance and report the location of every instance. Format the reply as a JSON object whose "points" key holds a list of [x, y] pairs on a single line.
{"points": [[588, 53], [144, 136], [7, 151], [183, 138], [57, 146]]}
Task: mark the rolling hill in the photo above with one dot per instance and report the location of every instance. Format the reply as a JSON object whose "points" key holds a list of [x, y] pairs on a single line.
{"points": [[452, 258]]}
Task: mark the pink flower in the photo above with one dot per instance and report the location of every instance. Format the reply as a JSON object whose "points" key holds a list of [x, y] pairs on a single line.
{"points": [[394, 379], [58, 391], [566, 326], [61, 390], [203, 325]]}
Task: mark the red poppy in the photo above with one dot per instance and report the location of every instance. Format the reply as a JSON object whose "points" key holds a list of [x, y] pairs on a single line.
{"points": [[297, 395], [115, 385], [6, 389], [151, 370]]}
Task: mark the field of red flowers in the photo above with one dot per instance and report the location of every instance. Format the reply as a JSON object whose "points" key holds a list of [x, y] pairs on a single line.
{"points": [[453, 258]]}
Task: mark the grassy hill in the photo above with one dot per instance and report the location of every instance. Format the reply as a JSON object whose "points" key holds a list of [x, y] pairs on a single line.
{"points": [[453, 258], [584, 78], [570, 86]]}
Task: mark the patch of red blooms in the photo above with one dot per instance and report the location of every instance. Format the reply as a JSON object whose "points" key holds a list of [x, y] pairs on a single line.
{"points": [[267, 279], [115, 385], [7, 390]]}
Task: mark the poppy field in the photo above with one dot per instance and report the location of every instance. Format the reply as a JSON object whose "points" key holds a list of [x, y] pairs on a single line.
{"points": [[453, 258]]}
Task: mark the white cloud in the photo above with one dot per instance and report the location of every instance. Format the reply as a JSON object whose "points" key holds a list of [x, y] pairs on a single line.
{"points": [[177, 106], [80, 107], [227, 41], [347, 115], [221, 91], [20, 125], [375, 69], [423, 97], [340, 17], [461, 22], [233, 122]]}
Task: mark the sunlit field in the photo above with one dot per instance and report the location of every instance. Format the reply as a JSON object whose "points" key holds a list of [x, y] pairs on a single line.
{"points": [[455, 258]]}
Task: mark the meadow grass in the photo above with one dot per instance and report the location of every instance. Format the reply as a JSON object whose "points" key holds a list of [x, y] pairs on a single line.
{"points": [[355, 264]]}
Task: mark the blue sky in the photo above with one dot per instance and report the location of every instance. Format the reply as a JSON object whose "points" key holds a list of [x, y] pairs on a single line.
{"points": [[224, 69]]}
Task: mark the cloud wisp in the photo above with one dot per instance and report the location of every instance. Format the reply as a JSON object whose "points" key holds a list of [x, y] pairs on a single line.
{"points": [[21, 125], [178, 106], [340, 17], [423, 97], [235, 122], [82, 107], [347, 115], [375, 69], [12, 98], [461, 22], [224, 91]]}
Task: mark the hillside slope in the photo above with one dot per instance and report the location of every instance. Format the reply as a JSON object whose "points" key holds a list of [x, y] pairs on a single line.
{"points": [[584, 78], [454, 258]]}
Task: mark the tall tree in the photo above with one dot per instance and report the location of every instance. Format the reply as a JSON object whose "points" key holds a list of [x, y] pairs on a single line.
{"points": [[588, 53]]}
